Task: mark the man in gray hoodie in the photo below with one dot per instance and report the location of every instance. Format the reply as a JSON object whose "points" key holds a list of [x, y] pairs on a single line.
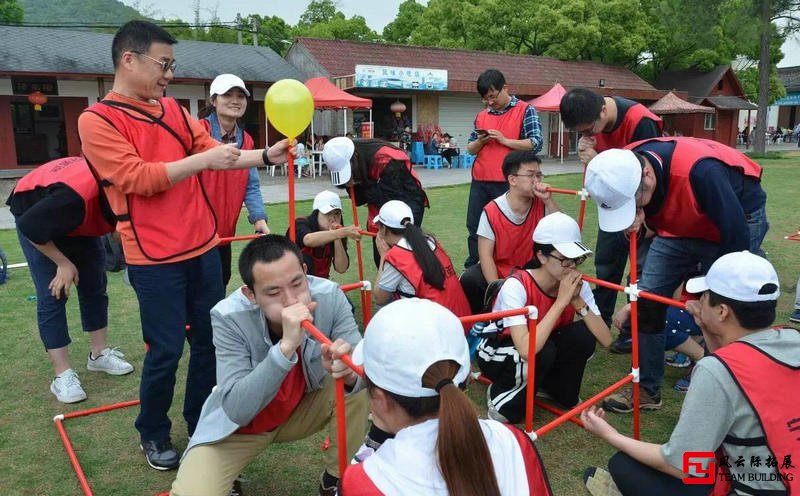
{"points": [[271, 386]]}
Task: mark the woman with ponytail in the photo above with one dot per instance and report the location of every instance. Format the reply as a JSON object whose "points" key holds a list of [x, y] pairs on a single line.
{"points": [[413, 263], [416, 362], [227, 189]]}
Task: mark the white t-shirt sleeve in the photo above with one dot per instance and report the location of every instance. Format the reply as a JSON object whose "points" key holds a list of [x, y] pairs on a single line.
{"points": [[512, 295], [392, 280], [484, 228], [588, 297]]}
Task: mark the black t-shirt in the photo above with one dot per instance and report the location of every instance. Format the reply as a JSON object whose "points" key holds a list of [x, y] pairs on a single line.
{"points": [[47, 214], [304, 226], [647, 128]]}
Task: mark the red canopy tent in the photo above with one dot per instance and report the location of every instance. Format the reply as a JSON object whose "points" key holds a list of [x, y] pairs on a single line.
{"points": [[328, 97], [551, 102]]}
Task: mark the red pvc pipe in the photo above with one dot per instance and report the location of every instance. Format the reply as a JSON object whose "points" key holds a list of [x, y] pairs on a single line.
{"points": [[583, 406], [368, 233], [605, 284], [635, 339], [225, 241], [73, 459], [531, 375], [341, 427], [351, 286], [323, 339], [367, 309], [478, 317], [100, 409], [557, 412], [292, 235], [483, 379], [582, 214], [359, 257], [564, 191], [642, 294]]}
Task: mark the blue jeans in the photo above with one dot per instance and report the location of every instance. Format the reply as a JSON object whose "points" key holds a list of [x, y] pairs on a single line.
{"points": [[668, 263], [172, 295], [480, 193], [51, 315]]}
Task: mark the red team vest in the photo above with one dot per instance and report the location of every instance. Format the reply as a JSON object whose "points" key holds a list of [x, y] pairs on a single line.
{"points": [[322, 257], [179, 219], [489, 162], [74, 173], [451, 297], [379, 162], [541, 301], [621, 136], [226, 189], [777, 407], [356, 482], [513, 244], [680, 215]]}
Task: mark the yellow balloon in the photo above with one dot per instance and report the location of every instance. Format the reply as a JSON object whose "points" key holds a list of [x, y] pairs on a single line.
{"points": [[289, 106]]}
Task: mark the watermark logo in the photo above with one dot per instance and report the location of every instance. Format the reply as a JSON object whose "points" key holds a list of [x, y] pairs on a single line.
{"points": [[693, 462]]}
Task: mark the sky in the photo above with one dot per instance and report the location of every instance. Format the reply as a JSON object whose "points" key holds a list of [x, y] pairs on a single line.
{"points": [[378, 14]]}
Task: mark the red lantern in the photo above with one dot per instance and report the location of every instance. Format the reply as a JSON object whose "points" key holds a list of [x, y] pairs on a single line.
{"points": [[37, 99], [398, 108]]}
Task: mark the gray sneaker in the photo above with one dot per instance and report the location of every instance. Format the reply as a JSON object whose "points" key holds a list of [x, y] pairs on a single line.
{"points": [[491, 411], [110, 361], [67, 387]]}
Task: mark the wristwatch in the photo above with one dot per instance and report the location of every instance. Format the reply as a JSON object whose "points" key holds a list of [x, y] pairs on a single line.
{"points": [[584, 311]]}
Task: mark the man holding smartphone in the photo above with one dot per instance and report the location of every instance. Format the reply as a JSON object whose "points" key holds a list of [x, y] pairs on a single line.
{"points": [[506, 124]]}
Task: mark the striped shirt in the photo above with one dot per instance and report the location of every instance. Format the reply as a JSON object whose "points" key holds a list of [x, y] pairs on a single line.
{"points": [[531, 128]]}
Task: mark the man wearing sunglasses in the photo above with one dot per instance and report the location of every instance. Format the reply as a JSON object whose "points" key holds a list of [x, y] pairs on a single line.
{"points": [[146, 152], [609, 122], [703, 200]]}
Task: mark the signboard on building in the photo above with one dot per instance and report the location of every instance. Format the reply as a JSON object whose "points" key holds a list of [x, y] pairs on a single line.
{"points": [[400, 78], [789, 100]]}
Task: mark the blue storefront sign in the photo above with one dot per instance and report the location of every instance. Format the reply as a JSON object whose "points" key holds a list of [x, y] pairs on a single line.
{"points": [[400, 78], [789, 100]]}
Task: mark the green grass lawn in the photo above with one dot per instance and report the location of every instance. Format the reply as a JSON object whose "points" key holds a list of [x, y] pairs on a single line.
{"points": [[34, 461]]}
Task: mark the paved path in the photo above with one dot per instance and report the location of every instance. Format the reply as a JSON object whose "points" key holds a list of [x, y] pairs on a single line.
{"points": [[274, 189]]}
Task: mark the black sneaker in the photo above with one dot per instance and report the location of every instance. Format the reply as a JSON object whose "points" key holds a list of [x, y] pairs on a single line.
{"points": [[621, 345], [161, 455]]}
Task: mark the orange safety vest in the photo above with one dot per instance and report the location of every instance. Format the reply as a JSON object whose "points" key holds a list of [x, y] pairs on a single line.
{"points": [[623, 135], [488, 164], [680, 215], [75, 174], [542, 302], [513, 244], [180, 219], [771, 388]]}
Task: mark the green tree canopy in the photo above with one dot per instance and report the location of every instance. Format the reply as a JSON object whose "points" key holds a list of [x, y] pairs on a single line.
{"points": [[399, 30]]}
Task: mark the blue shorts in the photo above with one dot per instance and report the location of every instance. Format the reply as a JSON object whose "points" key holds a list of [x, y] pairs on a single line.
{"points": [[678, 327]]}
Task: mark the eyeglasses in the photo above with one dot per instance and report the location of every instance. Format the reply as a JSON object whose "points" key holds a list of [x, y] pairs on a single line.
{"points": [[589, 131], [569, 262], [487, 99], [166, 65], [537, 175]]}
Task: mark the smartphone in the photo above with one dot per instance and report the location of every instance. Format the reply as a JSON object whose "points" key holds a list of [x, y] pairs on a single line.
{"points": [[481, 132]]}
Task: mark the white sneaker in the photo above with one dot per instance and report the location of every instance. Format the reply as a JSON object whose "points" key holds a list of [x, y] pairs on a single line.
{"points": [[67, 387], [110, 361], [491, 411]]}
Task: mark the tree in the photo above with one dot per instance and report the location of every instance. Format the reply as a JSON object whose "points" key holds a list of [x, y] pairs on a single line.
{"points": [[323, 20], [400, 29], [11, 12], [318, 11]]}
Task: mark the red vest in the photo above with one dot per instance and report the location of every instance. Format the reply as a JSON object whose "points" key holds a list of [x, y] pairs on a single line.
{"points": [[542, 302], [378, 164], [680, 215], [451, 297], [225, 189], [771, 388], [321, 255], [513, 244], [489, 162], [74, 173], [623, 135], [175, 221], [356, 482]]}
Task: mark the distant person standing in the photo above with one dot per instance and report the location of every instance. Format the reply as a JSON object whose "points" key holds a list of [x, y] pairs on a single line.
{"points": [[609, 122], [506, 124]]}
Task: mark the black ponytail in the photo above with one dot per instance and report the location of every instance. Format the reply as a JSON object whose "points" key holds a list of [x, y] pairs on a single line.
{"points": [[432, 270]]}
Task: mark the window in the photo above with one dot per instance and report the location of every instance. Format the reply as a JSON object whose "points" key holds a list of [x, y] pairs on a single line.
{"points": [[710, 122]]}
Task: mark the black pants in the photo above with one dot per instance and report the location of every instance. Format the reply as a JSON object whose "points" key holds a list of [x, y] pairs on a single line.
{"points": [[480, 193], [559, 370], [225, 260], [474, 286], [634, 479], [610, 258]]}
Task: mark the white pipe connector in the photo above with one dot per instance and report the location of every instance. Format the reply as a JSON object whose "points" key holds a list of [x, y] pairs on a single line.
{"points": [[583, 194], [635, 374], [532, 435], [632, 290], [58, 417], [533, 312], [367, 286]]}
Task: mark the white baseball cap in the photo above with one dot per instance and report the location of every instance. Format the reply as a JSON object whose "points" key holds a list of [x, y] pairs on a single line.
{"points": [[405, 338], [326, 201], [393, 213], [561, 231], [740, 276], [225, 82], [612, 178], [337, 154]]}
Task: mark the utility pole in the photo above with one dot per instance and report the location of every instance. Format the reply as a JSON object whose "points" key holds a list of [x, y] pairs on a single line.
{"points": [[255, 33]]}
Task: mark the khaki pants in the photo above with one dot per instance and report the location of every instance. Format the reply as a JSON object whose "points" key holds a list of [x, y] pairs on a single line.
{"points": [[209, 470]]}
